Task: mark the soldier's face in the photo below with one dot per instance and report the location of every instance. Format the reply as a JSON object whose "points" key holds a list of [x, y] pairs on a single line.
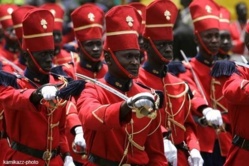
{"points": [[165, 48], [129, 60], [43, 59], [225, 41], [211, 39], [93, 48]]}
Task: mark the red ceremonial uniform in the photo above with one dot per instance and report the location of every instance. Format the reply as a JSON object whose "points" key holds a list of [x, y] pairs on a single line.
{"points": [[208, 86], [64, 57], [88, 25], [107, 138], [3, 141], [176, 112], [40, 135], [235, 91], [44, 132], [73, 121], [205, 16], [110, 138], [220, 103]]}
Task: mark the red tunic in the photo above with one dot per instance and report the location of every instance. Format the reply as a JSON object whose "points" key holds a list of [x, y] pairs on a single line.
{"points": [[3, 141], [73, 121], [237, 34], [6, 67], [32, 122], [107, 138], [8, 55], [207, 135], [220, 103], [236, 91], [78, 157], [178, 117]]}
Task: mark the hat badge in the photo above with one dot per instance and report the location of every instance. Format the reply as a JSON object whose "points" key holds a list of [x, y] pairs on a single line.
{"points": [[91, 16], [129, 20], [10, 10], [44, 24], [53, 12], [167, 14], [208, 9]]}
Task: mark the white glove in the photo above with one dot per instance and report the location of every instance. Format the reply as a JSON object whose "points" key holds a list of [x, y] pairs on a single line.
{"points": [[195, 158], [68, 161], [79, 138], [213, 116], [144, 102], [49, 92], [170, 152]]}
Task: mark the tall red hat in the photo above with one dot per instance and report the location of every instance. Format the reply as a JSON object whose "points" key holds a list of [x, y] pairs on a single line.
{"points": [[225, 18], [57, 12], [38, 26], [5, 15], [160, 19], [88, 21], [205, 14], [141, 8], [122, 26], [17, 17]]}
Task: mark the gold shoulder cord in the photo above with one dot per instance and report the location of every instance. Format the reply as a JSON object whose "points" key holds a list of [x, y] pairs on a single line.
{"points": [[170, 113]]}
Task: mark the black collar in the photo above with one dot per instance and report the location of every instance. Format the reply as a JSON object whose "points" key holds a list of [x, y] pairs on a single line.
{"points": [[118, 83], [222, 57], [203, 60], [159, 73], [36, 78], [94, 67]]}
